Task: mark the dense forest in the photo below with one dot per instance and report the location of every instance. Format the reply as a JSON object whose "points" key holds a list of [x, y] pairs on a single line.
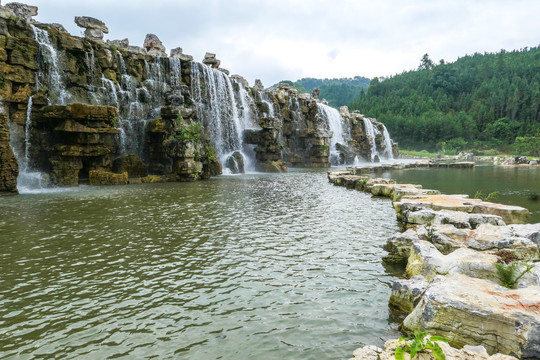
{"points": [[482, 102], [337, 92]]}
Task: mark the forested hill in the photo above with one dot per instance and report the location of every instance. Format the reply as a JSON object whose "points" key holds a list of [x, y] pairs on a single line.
{"points": [[478, 102], [337, 92]]}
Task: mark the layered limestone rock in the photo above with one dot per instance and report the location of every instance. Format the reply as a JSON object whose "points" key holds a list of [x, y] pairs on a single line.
{"points": [[154, 46], [22, 11], [131, 164], [210, 60], [75, 139], [447, 238], [100, 177], [42, 65], [94, 28], [471, 311], [9, 168], [177, 53], [509, 214]]}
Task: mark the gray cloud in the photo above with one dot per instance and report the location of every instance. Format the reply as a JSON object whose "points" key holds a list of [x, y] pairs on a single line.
{"points": [[282, 39]]}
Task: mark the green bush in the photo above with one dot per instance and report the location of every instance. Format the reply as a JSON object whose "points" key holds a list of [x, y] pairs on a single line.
{"points": [[527, 145]]}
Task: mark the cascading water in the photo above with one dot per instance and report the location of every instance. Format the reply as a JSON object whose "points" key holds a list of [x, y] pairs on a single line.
{"points": [[265, 98], [29, 179], [224, 117], [334, 122], [138, 102], [388, 153], [371, 133], [50, 64]]}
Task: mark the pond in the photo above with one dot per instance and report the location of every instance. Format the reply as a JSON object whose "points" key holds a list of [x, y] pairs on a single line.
{"points": [[515, 185], [258, 266]]}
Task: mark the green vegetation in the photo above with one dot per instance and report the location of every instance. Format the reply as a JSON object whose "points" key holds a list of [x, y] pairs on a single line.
{"points": [[486, 197], [114, 121], [481, 101], [2, 81], [190, 132], [421, 343], [422, 153], [337, 92], [210, 152], [507, 266]]}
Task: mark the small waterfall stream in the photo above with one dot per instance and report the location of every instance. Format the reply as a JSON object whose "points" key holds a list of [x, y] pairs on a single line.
{"points": [[334, 122], [371, 133], [48, 75], [221, 113]]}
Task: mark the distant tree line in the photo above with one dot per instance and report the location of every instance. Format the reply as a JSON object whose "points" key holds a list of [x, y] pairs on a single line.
{"points": [[337, 92], [481, 101]]}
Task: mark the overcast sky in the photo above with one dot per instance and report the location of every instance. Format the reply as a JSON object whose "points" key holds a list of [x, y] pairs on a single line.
{"points": [[275, 40]]}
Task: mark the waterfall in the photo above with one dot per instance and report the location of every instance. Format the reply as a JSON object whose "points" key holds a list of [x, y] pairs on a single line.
{"points": [[388, 153], [371, 133], [49, 56], [176, 72], [139, 102], [28, 180], [334, 121], [220, 112], [265, 98]]}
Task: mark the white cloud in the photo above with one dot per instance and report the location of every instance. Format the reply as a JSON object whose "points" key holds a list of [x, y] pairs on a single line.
{"points": [[289, 39]]}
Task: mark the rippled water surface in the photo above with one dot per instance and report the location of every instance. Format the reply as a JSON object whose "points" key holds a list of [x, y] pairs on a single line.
{"points": [[239, 267]]}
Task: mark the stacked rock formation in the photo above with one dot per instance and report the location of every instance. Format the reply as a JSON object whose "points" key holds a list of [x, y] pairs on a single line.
{"points": [[94, 28]]}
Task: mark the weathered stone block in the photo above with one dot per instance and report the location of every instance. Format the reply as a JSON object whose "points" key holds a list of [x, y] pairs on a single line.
{"points": [[131, 164], [501, 320], [100, 177]]}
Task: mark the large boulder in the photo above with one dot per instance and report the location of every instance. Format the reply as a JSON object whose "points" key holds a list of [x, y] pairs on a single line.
{"points": [[210, 60], [406, 293], [509, 214], [470, 311], [23, 11], [131, 164], [154, 46], [427, 261], [178, 54], [235, 163], [448, 238], [94, 28], [459, 219], [101, 177]]}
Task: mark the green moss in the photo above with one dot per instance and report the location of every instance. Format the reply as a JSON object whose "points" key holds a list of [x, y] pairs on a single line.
{"points": [[2, 81], [210, 152], [114, 121]]}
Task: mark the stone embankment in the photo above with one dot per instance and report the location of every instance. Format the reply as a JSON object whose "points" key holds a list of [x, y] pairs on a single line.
{"points": [[472, 270]]}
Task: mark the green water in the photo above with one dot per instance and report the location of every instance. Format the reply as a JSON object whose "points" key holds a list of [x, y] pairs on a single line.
{"points": [[516, 185], [239, 267]]}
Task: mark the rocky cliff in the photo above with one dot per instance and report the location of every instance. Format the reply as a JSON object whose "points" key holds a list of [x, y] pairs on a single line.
{"points": [[72, 107]]}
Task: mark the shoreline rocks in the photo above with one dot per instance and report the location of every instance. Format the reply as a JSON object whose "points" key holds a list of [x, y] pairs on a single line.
{"points": [[452, 285]]}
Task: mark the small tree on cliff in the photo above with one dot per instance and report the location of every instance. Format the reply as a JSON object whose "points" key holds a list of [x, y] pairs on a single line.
{"points": [[426, 63]]}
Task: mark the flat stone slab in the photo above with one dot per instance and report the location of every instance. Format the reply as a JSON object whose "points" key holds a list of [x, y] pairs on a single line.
{"points": [[448, 238], [510, 214], [469, 311]]}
